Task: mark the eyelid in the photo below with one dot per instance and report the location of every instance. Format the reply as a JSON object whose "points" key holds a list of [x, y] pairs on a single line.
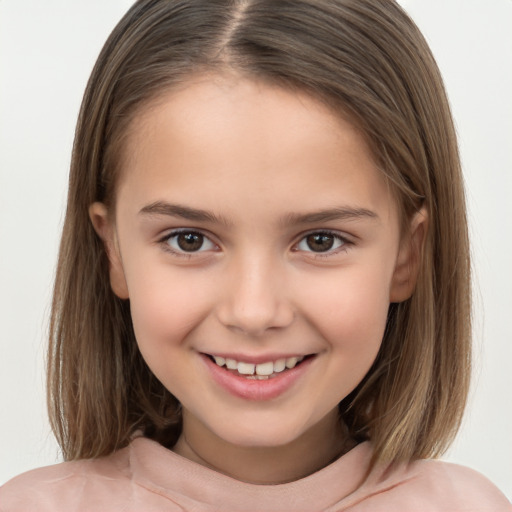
{"points": [[345, 239], [163, 240]]}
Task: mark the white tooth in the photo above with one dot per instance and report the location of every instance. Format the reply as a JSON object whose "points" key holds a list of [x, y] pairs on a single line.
{"points": [[299, 359], [265, 368], [245, 368], [258, 377], [291, 362], [219, 360], [231, 364], [279, 365]]}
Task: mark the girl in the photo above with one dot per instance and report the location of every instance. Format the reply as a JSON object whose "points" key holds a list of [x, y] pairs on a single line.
{"points": [[264, 273]]}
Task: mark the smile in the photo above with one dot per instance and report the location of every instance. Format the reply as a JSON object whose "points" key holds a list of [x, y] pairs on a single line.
{"points": [[260, 371], [257, 379]]}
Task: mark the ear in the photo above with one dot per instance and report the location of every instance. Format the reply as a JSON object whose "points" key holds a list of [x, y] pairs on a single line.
{"points": [[104, 227], [409, 257]]}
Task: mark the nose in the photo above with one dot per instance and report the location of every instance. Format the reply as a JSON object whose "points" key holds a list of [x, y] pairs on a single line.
{"points": [[255, 298]]}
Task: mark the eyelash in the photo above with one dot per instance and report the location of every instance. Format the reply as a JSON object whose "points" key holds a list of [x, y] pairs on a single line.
{"points": [[343, 247], [165, 242]]}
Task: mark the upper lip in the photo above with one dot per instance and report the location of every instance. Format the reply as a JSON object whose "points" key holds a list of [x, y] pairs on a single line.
{"points": [[255, 358]]}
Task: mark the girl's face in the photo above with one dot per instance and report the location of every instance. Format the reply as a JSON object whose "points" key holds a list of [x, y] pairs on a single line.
{"points": [[253, 230]]}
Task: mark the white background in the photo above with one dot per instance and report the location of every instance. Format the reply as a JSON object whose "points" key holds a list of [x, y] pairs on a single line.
{"points": [[47, 50]]}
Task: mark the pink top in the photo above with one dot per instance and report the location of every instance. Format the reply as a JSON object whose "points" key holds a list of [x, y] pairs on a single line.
{"points": [[148, 477]]}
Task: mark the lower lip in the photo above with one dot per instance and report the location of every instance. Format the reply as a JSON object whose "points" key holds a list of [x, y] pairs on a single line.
{"points": [[254, 389]]}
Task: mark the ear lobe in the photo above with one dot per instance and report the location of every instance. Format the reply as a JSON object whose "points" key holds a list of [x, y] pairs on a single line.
{"points": [[409, 258], [98, 214]]}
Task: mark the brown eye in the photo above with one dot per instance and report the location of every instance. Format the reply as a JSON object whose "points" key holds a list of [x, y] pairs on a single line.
{"points": [[320, 242], [188, 242]]}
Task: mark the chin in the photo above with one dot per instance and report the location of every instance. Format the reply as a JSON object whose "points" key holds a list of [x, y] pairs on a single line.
{"points": [[261, 434]]}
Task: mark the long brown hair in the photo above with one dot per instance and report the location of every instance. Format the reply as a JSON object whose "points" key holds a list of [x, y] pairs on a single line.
{"points": [[368, 60]]}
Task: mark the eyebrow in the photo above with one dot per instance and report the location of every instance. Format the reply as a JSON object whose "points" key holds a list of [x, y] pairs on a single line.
{"points": [[184, 212], [198, 215], [342, 213]]}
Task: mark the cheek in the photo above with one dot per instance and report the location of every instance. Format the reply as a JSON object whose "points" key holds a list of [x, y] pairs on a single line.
{"points": [[350, 310], [165, 307]]}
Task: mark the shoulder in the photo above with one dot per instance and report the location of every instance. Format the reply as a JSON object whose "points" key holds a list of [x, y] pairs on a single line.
{"points": [[67, 486], [437, 486], [462, 481]]}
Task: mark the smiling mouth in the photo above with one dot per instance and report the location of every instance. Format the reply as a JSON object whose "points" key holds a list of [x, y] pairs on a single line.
{"points": [[261, 371]]}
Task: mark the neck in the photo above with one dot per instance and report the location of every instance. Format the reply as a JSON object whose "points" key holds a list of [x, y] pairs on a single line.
{"points": [[312, 451]]}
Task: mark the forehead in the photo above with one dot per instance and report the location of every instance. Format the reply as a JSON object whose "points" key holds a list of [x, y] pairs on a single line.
{"points": [[234, 140]]}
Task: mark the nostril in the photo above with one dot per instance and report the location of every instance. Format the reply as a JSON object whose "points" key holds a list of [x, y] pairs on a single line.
{"points": [[255, 321]]}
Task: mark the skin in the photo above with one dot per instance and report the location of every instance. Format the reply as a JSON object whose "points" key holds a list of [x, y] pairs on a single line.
{"points": [[258, 158]]}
